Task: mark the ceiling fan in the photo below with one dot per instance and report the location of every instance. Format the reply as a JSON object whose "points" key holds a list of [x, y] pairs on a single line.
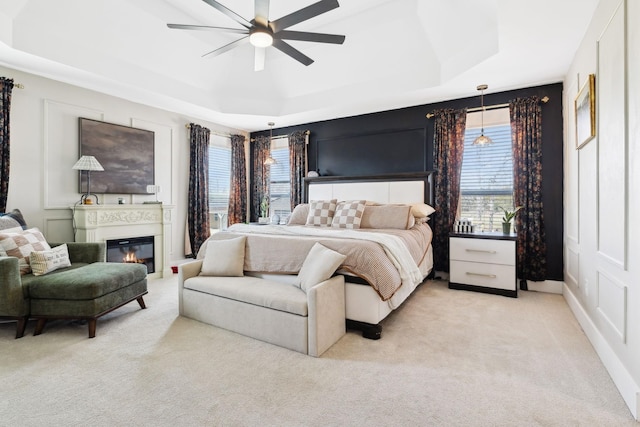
{"points": [[262, 33]]}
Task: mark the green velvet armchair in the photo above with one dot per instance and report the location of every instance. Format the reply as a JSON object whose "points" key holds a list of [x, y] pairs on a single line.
{"points": [[14, 288]]}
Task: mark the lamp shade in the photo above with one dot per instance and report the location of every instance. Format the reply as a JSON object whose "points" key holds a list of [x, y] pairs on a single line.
{"points": [[88, 163]]}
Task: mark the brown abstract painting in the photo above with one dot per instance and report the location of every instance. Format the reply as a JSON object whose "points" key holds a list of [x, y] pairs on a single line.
{"points": [[125, 153]]}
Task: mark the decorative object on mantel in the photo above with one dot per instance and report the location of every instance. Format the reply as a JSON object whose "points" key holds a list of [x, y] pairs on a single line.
{"points": [[313, 174], [88, 163], [153, 189], [269, 161], [506, 219], [482, 139]]}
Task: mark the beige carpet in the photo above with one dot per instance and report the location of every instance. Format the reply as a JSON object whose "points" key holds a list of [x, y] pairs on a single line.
{"points": [[446, 358]]}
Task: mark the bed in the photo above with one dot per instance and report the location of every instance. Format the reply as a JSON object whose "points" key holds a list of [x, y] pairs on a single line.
{"points": [[384, 265]]}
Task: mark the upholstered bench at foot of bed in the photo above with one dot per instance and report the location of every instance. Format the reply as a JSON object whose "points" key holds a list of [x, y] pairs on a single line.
{"points": [[86, 293]]}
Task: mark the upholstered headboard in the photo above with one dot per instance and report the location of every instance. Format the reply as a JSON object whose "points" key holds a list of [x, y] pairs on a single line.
{"points": [[392, 188]]}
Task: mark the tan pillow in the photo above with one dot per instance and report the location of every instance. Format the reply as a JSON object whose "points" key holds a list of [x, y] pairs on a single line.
{"points": [[224, 257], [348, 214], [319, 265], [43, 262], [299, 215], [387, 216], [321, 212], [421, 210], [20, 245]]}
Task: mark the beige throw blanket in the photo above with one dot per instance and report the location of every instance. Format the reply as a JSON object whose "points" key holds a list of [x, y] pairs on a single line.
{"points": [[386, 259]]}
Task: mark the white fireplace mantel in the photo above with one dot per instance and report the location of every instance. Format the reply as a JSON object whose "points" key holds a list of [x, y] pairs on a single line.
{"points": [[99, 223]]}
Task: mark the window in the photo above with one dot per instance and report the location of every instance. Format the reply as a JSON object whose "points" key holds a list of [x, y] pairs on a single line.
{"points": [[219, 175], [280, 183], [486, 181]]}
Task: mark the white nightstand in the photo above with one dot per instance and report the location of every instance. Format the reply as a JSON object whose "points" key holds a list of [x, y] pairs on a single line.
{"points": [[483, 262]]}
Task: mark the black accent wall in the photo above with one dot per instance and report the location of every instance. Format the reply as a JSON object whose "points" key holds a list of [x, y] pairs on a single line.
{"points": [[401, 140]]}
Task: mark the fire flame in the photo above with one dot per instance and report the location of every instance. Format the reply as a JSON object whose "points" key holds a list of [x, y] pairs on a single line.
{"points": [[130, 257]]}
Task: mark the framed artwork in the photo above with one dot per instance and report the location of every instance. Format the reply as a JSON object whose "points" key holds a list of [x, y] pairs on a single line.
{"points": [[125, 153], [585, 112]]}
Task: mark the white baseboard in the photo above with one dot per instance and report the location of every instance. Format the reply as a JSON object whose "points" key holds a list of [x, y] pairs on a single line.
{"points": [[627, 387]]}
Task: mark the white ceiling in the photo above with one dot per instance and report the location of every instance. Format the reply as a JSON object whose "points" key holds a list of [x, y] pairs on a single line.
{"points": [[397, 53]]}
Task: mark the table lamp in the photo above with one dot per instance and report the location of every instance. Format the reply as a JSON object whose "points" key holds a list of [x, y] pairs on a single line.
{"points": [[88, 163]]}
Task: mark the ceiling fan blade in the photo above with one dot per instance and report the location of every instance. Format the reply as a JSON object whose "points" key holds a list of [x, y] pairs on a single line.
{"points": [[262, 12], [303, 14], [309, 37], [230, 13], [258, 64], [292, 52], [227, 47], [207, 27]]}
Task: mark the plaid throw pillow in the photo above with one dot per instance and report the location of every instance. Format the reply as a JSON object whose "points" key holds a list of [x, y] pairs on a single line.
{"points": [[21, 244], [348, 214], [321, 212]]}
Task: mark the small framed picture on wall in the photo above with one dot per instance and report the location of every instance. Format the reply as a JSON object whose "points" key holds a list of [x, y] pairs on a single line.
{"points": [[585, 112]]}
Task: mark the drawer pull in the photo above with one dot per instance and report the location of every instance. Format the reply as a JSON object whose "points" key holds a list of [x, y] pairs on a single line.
{"points": [[481, 250], [491, 276]]}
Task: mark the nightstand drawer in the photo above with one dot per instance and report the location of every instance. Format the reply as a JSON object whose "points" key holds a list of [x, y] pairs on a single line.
{"points": [[483, 250], [486, 275]]}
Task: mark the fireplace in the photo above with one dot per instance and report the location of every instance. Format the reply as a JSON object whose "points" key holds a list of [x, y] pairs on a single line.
{"points": [[132, 250]]}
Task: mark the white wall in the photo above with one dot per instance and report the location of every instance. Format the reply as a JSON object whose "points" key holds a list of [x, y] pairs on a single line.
{"points": [[44, 147], [602, 195]]}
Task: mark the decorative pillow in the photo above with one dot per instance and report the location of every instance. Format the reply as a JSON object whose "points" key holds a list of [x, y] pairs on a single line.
{"points": [[387, 216], [321, 212], [224, 257], [12, 220], [21, 244], [299, 215], [319, 265], [348, 214], [43, 262], [421, 210]]}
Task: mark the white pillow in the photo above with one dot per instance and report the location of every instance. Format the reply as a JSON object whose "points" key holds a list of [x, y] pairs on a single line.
{"points": [[224, 258], [319, 265], [43, 262], [421, 210], [348, 214], [321, 212]]}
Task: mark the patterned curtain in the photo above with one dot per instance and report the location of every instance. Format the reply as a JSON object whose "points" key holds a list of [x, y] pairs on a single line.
{"points": [[6, 86], [526, 134], [448, 146], [260, 150], [297, 165], [238, 190], [198, 210]]}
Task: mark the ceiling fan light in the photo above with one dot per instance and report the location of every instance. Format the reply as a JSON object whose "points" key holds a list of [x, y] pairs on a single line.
{"points": [[261, 39]]}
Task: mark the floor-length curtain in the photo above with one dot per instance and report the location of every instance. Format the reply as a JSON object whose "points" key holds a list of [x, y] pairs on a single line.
{"points": [[238, 190], [297, 165], [6, 87], [526, 135], [448, 146], [260, 150], [198, 211]]}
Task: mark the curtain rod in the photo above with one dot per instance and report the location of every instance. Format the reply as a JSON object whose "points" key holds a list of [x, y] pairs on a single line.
{"points": [[225, 135], [18, 85], [488, 107], [306, 132]]}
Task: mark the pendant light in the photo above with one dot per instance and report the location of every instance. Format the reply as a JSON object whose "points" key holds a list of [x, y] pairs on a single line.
{"points": [[270, 160], [482, 140]]}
